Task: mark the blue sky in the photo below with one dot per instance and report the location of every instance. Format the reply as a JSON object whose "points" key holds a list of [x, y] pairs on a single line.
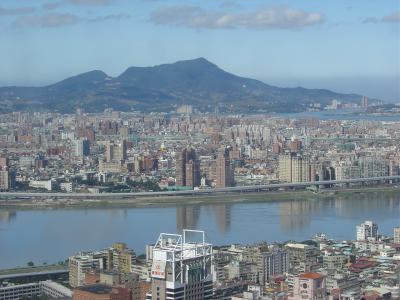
{"points": [[345, 45]]}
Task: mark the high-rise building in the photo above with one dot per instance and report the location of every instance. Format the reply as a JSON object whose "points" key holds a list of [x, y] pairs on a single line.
{"points": [[272, 263], [302, 257], [121, 258], [224, 172], [295, 145], [5, 179], [367, 231], [116, 152], [82, 262], [82, 147], [371, 166], [396, 235], [192, 173], [4, 161], [87, 133], [294, 168], [116, 258], [364, 102], [208, 169], [187, 168], [109, 127], [181, 267]]}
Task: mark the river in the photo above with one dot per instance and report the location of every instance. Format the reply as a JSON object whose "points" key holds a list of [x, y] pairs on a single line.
{"points": [[54, 234]]}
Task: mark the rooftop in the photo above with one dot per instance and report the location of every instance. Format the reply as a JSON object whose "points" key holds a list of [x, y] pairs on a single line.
{"points": [[96, 289], [311, 276]]}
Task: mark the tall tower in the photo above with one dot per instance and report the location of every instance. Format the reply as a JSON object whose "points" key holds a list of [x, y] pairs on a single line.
{"points": [[187, 168], [223, 170], [82, 147], [181, 267], [364, 102], [116, 152]]}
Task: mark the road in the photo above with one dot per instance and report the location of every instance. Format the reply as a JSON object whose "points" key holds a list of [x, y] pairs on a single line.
{"points": [[238, 189]]}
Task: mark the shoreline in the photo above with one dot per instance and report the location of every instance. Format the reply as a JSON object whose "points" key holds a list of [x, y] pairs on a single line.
{"points": [[171, 201]]}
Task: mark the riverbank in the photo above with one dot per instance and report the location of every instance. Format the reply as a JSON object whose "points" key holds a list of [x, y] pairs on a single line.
{"points": [[222, 198]]}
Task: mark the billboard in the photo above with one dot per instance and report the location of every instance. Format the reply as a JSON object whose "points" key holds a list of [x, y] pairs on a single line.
{"points": [[158, 269]]}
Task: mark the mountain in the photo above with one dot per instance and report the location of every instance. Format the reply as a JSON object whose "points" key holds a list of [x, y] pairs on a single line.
{"points": [[161, 88]]}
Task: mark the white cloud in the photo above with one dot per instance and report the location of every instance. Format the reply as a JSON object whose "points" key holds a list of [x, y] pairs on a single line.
{"points": [[280, 17], [51, 20], [89, 2], [392, 18], [56, 4], [46, 20], [117, 17], [16, 11]]}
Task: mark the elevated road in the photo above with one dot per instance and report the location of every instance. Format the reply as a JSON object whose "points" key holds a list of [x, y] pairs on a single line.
{"points": [[33, 274], [237, 189]]}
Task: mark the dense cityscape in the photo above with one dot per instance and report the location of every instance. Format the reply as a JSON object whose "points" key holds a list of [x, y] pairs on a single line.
{"points": [[114, 152], [199, 150], [185, 150]]}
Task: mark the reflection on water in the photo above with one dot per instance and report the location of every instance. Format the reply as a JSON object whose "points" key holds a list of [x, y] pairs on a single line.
{"points": [[54, 234], [7, 216], [296, 215], [187, 216]]}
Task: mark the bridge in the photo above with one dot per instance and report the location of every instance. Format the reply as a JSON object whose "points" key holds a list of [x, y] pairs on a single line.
{"points": [[37, 275], [237, 189]]}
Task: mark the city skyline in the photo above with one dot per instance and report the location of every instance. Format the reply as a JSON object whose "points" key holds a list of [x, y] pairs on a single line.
{"points": [[348, 47], [200, 149]]}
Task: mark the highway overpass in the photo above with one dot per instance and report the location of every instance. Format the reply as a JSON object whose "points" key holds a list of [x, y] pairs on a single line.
{"points": [[237, 189]]}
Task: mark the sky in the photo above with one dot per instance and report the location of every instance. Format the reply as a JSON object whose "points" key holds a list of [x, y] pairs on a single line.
{"points": [[344, 45]]}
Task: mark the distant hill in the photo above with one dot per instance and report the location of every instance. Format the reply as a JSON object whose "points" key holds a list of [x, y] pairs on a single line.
{"points": [[161, 88]]}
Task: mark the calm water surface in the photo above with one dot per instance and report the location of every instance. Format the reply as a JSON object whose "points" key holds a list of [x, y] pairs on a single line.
{"points": [[346, 114], [52, 235]]}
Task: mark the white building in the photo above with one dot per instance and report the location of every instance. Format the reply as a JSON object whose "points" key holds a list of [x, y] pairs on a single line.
{"points": [[181, 267], [41, 184], [82, 262], [55, 290], [396, 235], [367, 231], [20, 291], [67, 187], [81, 147], [35, 289]]}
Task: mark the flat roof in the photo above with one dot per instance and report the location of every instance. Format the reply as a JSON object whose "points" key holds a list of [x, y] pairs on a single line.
{"points": [[311, 275], [96, 288]]}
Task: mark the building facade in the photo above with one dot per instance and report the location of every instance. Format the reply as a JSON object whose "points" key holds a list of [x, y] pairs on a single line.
{"points": [[181, 267], [367, 231]]}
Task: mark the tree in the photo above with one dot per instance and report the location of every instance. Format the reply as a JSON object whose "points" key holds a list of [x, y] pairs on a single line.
{"points": [[30, 264]]}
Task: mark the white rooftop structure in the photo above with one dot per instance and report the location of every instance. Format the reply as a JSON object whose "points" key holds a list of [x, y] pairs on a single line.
{"points": [[180, 251]]}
